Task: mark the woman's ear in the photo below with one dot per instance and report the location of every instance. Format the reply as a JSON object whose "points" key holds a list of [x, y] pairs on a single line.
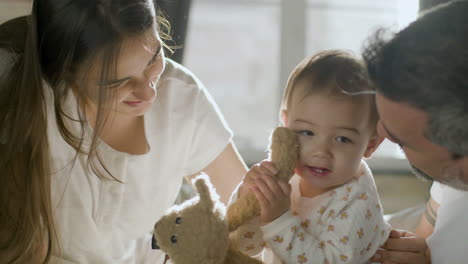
{"points": [[372, 145]]}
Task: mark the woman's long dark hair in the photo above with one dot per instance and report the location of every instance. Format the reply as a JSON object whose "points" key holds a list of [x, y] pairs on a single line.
{"points": [[45, 51]]}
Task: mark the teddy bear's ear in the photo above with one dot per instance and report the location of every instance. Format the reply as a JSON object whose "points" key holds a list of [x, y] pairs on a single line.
{"points": [[206, 191]]}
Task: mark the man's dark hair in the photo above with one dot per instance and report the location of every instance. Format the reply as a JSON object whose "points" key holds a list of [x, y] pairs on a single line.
{"points": [[428, 4], [426, 66]]}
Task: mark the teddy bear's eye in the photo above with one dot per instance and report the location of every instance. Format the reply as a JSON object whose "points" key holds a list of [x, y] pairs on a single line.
{"points": [[174, 239], [178, 220]]}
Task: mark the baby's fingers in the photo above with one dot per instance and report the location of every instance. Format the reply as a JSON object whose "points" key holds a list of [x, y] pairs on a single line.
{"points": [[254, 173], [269, 166], [267, 185], [262, 199], [273, 185], [285, 188]]}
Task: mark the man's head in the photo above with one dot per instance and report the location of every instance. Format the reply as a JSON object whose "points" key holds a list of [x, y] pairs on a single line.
{"points": [[422, 84]]}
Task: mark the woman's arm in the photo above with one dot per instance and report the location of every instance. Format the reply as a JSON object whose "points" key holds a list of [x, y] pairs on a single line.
{"points": [[225, 172]]}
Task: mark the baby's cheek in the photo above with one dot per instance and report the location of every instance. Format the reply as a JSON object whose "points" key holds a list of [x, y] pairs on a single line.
{"points": [[296, 170]]}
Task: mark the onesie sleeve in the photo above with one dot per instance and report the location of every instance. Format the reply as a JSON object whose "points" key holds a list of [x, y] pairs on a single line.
{"points": [[350, 230]]}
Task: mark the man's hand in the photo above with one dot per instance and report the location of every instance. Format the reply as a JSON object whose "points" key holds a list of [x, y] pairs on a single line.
{"points": [[403, 247]]}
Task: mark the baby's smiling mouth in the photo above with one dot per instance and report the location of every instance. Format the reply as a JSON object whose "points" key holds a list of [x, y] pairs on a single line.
{"points": [[319, 170]]}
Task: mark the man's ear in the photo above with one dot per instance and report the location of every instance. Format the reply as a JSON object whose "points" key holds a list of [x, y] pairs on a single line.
{"points": [[372, 145], [462, 162]]}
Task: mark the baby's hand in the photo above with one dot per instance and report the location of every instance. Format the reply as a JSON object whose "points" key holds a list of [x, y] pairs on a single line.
{"points": [[272, 194], [263, 168]]}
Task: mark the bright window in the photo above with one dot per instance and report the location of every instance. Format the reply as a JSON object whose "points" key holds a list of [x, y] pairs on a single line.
{"points": [[244, 50]]}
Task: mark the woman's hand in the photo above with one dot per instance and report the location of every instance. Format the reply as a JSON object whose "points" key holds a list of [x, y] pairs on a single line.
{"points": [[403, 247]]}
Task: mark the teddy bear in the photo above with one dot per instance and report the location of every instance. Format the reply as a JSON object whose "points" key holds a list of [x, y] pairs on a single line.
{"points": [[198, 230]]}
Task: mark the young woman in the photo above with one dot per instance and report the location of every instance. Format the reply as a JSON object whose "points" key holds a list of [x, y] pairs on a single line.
{"points": [[98, 131]]}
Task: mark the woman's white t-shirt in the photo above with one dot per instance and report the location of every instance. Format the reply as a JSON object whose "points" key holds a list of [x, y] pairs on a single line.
{"points": [[448, 243], [104, 221]]}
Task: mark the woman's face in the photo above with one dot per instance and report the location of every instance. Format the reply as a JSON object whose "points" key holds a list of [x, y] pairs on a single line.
{"points": [[140, 63]]}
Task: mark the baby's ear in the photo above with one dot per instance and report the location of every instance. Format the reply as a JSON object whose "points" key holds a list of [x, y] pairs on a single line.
{"points": [[372, 145], [284, 117]]}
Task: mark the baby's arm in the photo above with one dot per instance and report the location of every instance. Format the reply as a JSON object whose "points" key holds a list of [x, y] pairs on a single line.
{"points": [[248, 237], [351, 234]]}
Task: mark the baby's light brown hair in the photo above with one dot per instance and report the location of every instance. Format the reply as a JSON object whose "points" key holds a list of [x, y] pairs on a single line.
{"points": [[334, 73]]}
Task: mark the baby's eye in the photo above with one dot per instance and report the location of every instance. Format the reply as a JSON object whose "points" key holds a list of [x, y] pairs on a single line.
{"points": [[305, 133], [343, 139], [174, 239], [178, 220]]}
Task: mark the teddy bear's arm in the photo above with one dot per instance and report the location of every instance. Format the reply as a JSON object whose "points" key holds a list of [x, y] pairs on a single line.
{"points": [[248, 238], [236, 257]]}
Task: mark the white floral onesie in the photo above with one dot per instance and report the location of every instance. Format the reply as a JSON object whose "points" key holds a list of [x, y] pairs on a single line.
{"points": [[344, 225]]}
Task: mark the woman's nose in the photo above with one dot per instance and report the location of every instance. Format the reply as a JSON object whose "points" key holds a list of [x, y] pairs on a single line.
{"points": [[146, 91]]}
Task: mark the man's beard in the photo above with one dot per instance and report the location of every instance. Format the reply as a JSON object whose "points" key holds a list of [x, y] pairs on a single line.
{"points": [[451, 176]]}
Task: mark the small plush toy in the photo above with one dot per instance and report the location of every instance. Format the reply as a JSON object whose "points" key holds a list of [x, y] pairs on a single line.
{"points": [[197, 231]]}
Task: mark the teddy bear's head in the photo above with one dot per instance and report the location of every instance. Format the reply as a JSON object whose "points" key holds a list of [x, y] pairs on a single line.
{"points": [[195, 231]]}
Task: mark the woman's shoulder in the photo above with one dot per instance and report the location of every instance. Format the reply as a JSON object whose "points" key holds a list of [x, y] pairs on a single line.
{"points": [[177, 74]]}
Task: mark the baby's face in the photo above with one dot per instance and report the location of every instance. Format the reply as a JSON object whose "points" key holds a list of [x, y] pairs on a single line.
{"points": [[334, 134]]}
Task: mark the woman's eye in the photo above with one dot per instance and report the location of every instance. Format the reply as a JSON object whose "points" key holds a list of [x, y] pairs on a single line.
{"points": [[305, 133], [155, 58], [343, 139], [117, 85]]}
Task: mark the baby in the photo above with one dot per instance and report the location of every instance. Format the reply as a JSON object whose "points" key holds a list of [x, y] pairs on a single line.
{"points": [[330, 210]]}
